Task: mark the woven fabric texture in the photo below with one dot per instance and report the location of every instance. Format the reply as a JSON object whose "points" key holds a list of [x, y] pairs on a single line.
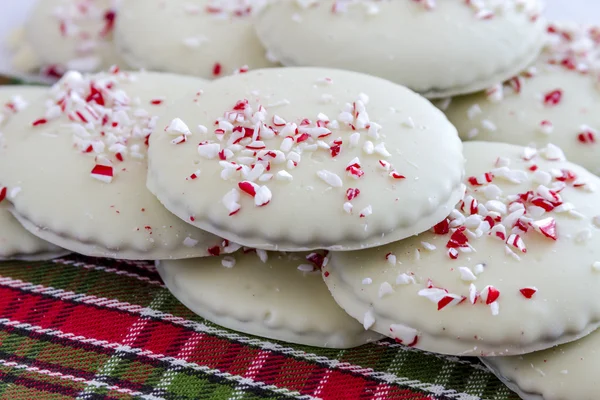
{"points": [[87, 328]]}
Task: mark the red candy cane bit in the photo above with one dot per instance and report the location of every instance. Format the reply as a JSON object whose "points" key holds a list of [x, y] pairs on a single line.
{"points": [[490, 294], [38, 122], [109, 22], [302, 138], [442, 227], [543, 203], [156, 102], [355, 170], [352, 194], [248, 188], [335, 150], [453, 254], [546, 227], [217, 69], [458, 239], [53, 71], [103, 173], [567, 176], [119, 157], [481, 180], [528, 292], [516, 83], [3, 191], [214, 251], [395, 175], [587, 137], [449, 300], [326, 274], [553, 98], [316, 259], [517, 242]]}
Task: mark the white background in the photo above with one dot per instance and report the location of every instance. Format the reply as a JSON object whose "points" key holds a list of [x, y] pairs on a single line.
{"points": [[15, 11]]}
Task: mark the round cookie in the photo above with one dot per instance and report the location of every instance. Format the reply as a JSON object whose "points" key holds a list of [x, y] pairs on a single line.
{"points": [[435, 48], [63, 35], [275, 295], [296, 159], [515, 267], [15, 241], [76, 163], [207, 38], [554, 102], [560, 373]]}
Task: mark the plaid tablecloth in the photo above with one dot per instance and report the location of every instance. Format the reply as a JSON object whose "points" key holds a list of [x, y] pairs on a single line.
{"points": [[88, 328]]}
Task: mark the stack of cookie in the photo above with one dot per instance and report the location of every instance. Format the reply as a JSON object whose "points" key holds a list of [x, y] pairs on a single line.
{"points": [[324, 203]]}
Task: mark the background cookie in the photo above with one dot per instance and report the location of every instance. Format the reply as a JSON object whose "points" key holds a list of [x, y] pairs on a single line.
{"points": [[77, 161], [207, 38], [554, 102], [561, 373], [515, 267], [275, 295], [67, 34], [15, 241], [435, 48], [297, 159]]}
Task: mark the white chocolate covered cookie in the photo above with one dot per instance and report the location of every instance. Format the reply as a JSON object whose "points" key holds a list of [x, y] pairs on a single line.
{"points": [[515, 268], [207, 38], [564, 372], [15, 241], [435, 48], [76, 163], [275, 295], [296, 159], [63, 35], [554, 102]]}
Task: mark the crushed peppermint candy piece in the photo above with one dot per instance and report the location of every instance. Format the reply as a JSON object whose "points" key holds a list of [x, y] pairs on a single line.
{"points": [[490, 294], [228, 262], [103, 173], [405, 279], [178, 127], [330, 178], [466, 274], [528, 292], [384, 289]]}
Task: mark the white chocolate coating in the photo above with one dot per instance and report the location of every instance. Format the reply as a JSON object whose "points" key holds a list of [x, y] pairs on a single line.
{"points": [[15, 241], [451, 49], [529, 292], [273, 299], [50, 165], [562, 373], [206, 38], [517, 112], [302, 201], [68, 34]]}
